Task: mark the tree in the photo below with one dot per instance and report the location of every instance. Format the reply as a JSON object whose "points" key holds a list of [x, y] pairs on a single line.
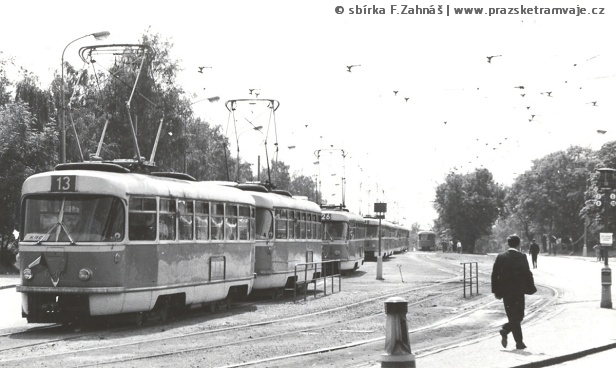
{"points": [[303, 185], [25, 149], [550, 196], [277, 174], [5, 83], [469, 205]]}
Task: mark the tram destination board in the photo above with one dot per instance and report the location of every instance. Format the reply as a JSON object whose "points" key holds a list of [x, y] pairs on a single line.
{"points": [[63, 183]]}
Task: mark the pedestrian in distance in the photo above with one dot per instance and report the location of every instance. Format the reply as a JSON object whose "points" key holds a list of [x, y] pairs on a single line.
{"points": [[534, 252], [511, 280], [598, 252]]}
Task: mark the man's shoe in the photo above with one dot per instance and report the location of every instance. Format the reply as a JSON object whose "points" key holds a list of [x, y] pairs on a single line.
{"points": [[520, 346], [503, 334]]}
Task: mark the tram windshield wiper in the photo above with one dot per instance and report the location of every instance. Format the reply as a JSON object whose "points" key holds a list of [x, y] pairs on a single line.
{"points": [[54, 227]]}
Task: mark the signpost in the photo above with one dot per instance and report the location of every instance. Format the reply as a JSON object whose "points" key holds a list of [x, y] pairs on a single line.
{"points": [[606, 240], [379, 210], [606, 186]]}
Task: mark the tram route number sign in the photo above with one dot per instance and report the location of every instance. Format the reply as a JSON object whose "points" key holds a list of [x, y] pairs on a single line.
{"points": [[606, 239], [63, 183]]}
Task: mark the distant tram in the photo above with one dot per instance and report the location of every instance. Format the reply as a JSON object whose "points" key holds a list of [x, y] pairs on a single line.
{"points": [[426, 240]]}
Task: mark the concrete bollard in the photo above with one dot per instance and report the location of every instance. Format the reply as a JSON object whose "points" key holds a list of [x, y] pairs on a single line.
{"points": [[397, 345], [606, 286]]}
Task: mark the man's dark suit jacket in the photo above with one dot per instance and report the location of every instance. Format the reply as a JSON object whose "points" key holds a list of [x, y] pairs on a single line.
{"points": [[510, 274]]}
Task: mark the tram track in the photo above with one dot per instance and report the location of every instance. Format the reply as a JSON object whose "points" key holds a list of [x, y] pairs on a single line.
{"points": [[31, 355], [285, 341]]}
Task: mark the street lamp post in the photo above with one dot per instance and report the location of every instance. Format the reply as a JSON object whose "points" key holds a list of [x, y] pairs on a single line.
{"points": [[606, 187], [98, 36]]}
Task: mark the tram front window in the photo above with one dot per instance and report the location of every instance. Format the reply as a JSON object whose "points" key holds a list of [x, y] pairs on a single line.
{"points": [[335, 230], [80, 218]]}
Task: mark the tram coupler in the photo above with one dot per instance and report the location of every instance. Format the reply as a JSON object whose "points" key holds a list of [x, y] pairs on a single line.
{"points": [[606, 286], [397, 346]]}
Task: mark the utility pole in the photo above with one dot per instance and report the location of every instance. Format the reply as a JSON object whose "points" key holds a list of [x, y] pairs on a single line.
{"points": [[379, 210]]}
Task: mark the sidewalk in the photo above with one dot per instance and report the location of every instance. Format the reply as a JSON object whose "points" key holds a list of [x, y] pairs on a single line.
{"points": [[572, 331], [8, 281]]}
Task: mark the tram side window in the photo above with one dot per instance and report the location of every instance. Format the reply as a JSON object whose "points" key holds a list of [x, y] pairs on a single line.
{"points": [[264, 224], [217, 221], [281, 224], [302, 225], [253, 224], [309, 223], [186, 222], [142, 218], [243, 222], [166, 219], [231, 222], [202, 220], [293, 225]]}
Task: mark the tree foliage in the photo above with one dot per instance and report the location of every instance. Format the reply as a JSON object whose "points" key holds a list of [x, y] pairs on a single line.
{"points": [[468, 205], [25, 149], [548, 198]]}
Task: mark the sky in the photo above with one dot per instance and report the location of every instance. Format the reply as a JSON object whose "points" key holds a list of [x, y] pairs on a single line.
{"points": [[423, 100]]}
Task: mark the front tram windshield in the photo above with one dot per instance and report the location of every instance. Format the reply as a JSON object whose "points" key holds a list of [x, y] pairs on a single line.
{"points": [[72, 218], [372, 231], [335, 230]]}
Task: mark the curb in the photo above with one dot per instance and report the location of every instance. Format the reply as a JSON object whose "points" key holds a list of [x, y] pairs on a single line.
{"points": [[566, 358]]}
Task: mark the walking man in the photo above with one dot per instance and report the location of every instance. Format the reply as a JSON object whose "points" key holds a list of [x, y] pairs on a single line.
{"points": [[511, 279], [534, 252]]}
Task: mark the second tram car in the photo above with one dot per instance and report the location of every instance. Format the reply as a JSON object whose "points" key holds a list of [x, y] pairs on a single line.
{"points": [[288, 234], [394, 238], [98, 240], [426, 240]]}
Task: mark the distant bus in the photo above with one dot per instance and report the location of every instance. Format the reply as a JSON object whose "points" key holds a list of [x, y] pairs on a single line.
{"points": [[426, 240]]}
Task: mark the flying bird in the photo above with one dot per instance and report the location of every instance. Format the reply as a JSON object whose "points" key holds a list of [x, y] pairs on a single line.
{"points": [[406, 99], [594, 103], [520, 87], [349, 67], [490, 57], [547, 93], [203, 67], [601, 131], [395, 93]]}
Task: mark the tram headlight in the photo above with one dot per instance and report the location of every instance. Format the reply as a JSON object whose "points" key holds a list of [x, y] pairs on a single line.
{"points": [[337, 253], [27, 274], [85, 274]]}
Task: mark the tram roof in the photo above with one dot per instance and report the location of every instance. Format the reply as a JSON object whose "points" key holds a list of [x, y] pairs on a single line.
{"points": [[274, 200], [124, 184], [425, 232], [375, 222], [336, 215]]}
